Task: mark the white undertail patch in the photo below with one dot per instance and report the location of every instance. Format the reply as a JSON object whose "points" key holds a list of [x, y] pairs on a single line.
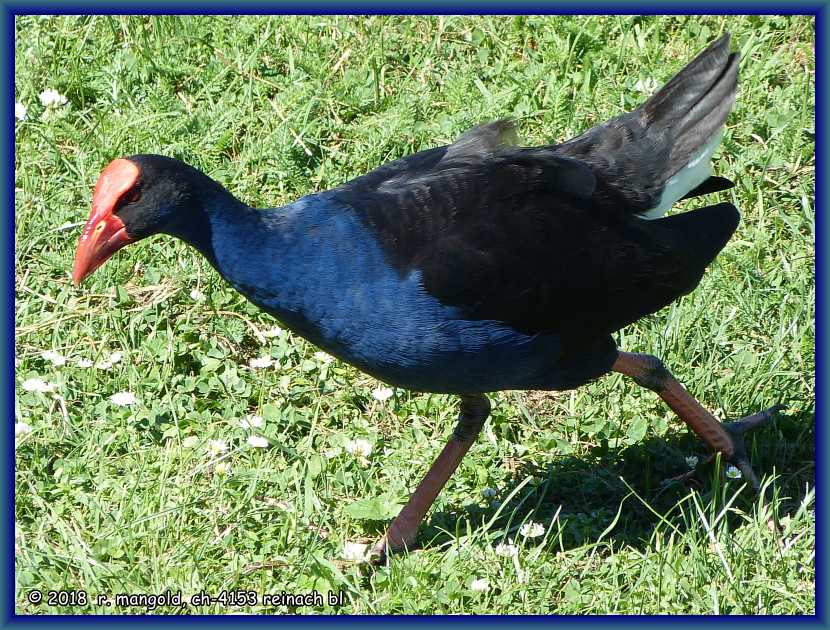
{"points": [[687, 178]]}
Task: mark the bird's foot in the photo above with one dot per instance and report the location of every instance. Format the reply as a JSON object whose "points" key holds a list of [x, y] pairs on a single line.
{"points": [[380, 552], [737, 430], [392, 542]]}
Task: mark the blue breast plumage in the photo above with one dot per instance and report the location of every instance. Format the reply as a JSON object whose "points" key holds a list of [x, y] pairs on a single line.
{"points": [[315, 266]]}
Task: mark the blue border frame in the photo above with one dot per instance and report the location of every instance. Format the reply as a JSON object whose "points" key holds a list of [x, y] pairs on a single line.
{"points": [[7, 297], [422, 7], [821, 297], [8, 11]]}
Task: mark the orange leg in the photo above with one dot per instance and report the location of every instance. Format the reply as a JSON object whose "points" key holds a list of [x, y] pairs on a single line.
{"points": [[404, 529], [725, 438]]}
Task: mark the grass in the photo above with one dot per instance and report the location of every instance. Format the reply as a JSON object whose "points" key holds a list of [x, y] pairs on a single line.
{"points": [[131, 499]]}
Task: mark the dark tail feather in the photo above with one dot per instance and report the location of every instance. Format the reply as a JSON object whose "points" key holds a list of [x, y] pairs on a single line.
{"points": [[712, 185], [687, 87], [694, 104]]}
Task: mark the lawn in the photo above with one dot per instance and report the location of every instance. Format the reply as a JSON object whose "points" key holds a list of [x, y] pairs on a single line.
{"points": [[138, 466]]}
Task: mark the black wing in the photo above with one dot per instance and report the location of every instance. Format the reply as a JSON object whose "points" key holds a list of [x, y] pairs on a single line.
{"points": [[515, 234]]}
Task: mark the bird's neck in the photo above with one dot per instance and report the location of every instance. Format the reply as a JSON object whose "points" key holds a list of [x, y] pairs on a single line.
{"points": [[252, 249], [216, 214]]}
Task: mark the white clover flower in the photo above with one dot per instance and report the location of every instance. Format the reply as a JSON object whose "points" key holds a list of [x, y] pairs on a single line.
{"points": [[37, 385], [358, 447], [323, 357], [115, 357], [217, 446], [190, 441], [732, 472], [382, 393], [532, 530], [261, 362], [355, 552], [222, 468], [257, 441], [489, 493], [53, 357], [691, 461], [480, 586], [251, 422], [83, 363], [646, 86], [51, 98], [197, 296], [22, 428], [124, 399], [507, 550], [20, 111], [274, 331]]}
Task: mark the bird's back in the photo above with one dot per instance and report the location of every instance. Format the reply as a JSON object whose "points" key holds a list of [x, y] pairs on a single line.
{"points": [[523, 237]]}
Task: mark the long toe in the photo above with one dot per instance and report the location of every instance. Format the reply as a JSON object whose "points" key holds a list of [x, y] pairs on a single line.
{"points": [[738, 430], [750, 423]]}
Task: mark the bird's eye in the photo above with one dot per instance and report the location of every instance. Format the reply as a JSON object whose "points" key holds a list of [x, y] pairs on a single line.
{"points": [[132, 196]]}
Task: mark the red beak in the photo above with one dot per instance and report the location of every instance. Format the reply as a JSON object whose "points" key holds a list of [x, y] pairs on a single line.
{"points": [[104, 233], [101, 238]]}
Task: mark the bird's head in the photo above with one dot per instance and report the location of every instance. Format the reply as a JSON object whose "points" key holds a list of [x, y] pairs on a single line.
{"points": [[136, 197]]}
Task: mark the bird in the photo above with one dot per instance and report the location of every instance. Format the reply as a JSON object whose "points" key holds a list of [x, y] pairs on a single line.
{"points": [[474, 267]]}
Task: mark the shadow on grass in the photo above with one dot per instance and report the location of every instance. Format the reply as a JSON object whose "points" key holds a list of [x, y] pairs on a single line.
{"points": [[589, 489]]}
